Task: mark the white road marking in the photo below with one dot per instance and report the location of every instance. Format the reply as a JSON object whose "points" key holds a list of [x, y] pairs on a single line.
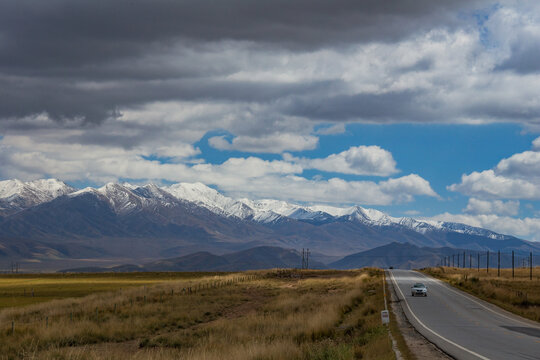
{"points": [[478, 303], [431, 331]]}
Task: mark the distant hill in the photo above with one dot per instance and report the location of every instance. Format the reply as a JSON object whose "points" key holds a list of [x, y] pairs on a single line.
{"points": [[262, 257], [404, 256]]}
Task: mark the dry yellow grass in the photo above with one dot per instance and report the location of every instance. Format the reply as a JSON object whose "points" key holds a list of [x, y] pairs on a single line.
{"points": [[266, 315], [519, 295], [26, 289]]}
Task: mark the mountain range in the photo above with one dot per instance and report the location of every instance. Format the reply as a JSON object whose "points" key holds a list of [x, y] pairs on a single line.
{"points": [[261, 257], [47, 220], [396, 255]]}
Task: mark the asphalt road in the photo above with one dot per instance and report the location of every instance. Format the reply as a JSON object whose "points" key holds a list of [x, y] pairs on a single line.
{"points": [[462, 325]]}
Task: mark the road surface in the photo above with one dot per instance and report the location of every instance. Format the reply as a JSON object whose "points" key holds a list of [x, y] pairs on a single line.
{"points": [[462, 325]]}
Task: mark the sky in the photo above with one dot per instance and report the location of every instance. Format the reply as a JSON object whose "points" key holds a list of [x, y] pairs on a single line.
{"points": [[420, 108]]}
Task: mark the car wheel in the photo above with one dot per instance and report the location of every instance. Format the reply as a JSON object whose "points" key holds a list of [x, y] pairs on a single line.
{"points": [[412, 294]]}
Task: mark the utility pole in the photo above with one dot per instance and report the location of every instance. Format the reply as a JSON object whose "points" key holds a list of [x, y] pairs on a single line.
{"points": [[464, 259], [307, 259], [453, 260], [487, 262], [470, 260], [478, 262]]}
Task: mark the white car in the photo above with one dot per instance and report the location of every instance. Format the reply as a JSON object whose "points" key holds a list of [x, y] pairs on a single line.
{"points": [[419, 289]]}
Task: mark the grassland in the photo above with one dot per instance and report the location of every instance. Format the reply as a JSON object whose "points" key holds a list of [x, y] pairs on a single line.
{"points": [[519, 295], [255, 315], [25, 289]]}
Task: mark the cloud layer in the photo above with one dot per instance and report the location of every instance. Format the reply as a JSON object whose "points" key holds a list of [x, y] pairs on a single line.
{"points": [[251, 176], [413, 61], [100, 91]]}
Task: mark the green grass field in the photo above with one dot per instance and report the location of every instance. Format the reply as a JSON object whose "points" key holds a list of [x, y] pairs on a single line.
{"points": [[255, 315]]}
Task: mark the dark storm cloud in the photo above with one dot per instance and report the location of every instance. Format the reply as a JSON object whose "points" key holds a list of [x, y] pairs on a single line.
{"points": [[64, 101], [388, 107], [407, 105], [57, 33], [84, 60], [524, 58]]}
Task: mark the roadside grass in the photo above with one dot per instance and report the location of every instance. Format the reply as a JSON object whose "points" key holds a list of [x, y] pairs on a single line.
{"points": [[519, 295], [280, 314], [26, 289]]}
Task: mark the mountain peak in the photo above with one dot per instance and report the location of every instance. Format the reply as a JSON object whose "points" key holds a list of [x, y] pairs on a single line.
{"points": [[16, 195]]}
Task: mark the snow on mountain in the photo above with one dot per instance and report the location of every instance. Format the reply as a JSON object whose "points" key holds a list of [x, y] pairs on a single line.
{"points": [[269, 210], [471, 230], [127, 198], [419, 226], [209, 198], [16, 195], [122, 199], [43, 190]]}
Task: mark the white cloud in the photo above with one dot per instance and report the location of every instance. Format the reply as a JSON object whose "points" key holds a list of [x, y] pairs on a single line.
{"points": [[333, 191], [536, 143], [405, 187], [358, 160], [274, 143], [176, 151], [488, 185], [523, 165], [26, 158], [516, 177], [498, 207], [528, 228]]}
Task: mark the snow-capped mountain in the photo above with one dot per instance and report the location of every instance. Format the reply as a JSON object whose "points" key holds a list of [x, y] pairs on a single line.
{"points": [[16, 195], [163, 221]]}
